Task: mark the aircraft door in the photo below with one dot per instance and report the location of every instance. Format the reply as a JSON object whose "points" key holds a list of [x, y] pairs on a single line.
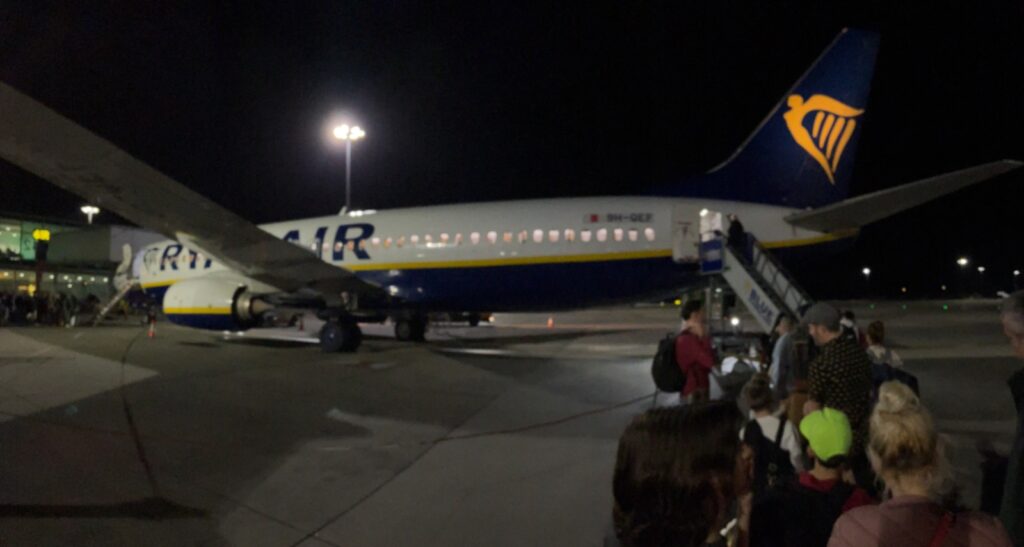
{"points": [[685, 234]]}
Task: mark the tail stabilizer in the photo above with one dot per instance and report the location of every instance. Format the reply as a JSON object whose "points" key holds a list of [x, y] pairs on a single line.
{"points": [[802, 154]]}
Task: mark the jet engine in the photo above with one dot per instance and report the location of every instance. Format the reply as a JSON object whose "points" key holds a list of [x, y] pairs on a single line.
{"points": [[215, 304]]}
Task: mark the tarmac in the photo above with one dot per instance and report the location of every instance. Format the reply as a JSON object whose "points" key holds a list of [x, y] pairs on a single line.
{"points": [[504, 434]]}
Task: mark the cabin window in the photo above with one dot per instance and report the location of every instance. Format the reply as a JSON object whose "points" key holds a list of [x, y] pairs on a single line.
{"points": [[362, 244], [474, 237], [375, 242], [538, 236], [400, 242], [585, 236], [428, 239], [387, 243], [570, 235], [414, 239], [492, 237], [618, 234], [444, 239], [458, 239], [523, 236], [649, 234], [338, 246], [634, 234], [351, 245], [507, 238], [602, 235], [553, 236]]}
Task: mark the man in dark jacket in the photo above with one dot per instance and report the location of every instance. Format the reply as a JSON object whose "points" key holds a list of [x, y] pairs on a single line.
{"points": [[1012, 512]]}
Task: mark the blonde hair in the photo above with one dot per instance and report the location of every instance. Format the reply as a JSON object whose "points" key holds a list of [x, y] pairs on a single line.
{"points": [[903, 443]]}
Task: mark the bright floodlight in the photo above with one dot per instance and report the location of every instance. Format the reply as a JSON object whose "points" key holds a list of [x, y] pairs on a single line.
{"points": [[1016, 273], [90, 211], [981, 269], [866, 272], [345, 133], [735, 321], [962, 261], [703, 212]]}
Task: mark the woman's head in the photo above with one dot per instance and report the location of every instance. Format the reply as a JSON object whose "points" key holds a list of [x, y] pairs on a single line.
{"points": [[676, 473], [904, 447], [758, 393]]}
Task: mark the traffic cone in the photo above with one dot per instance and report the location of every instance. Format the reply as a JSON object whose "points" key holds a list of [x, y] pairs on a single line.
{"points": [[152, 329], [551, 322]]}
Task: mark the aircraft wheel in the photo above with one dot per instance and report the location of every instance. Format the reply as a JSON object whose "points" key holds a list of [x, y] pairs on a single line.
{"points": [[340, 337], [410, 330]]}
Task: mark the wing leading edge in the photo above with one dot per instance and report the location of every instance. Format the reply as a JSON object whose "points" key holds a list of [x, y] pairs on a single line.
{"points": [[42, 142]]}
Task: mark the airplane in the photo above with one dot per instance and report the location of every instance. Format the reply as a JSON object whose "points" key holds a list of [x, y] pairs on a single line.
{"points": [[788, 182]]}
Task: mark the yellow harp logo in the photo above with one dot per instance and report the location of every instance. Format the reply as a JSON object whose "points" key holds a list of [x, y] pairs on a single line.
{"points": [[831, 129]]}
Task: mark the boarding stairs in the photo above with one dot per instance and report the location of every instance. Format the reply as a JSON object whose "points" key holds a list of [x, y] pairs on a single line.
{"points": [[757, 277], [121, 293]]}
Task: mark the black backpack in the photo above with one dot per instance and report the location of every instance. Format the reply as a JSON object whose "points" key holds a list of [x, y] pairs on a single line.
{"points": [[773, 467], [664, 369]]}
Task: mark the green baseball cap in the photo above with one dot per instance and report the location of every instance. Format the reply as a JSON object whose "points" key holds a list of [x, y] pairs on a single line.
{"points": [[828, 431]]}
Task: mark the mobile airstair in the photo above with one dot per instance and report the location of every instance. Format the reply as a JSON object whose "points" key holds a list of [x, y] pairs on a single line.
{"points": [[757, 278]]}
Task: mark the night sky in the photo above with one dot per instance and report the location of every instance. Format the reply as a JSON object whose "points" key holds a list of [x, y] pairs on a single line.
{"points": [[493, 101]]}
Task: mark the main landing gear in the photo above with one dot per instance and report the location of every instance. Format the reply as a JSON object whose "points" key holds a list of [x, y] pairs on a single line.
{"points": [[340, 335], [411, 329]]}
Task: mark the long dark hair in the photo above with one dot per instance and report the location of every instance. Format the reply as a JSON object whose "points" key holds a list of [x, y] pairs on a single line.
{"points": [[674, 474]]}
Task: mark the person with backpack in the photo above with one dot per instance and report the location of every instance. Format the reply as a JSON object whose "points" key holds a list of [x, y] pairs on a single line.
{"points": [[694, 354], [877, 351], [803, 512], [777, 454], [907, 453]]}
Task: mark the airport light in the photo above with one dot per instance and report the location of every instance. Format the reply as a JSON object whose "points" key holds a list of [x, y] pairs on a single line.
{"points": [[90, 211], [981, 269], [735, 321], [703, 212], [963, 262], [1016, 273], [866, 271], [347, 133]]}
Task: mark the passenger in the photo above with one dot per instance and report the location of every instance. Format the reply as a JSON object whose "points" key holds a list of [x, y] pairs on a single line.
{"points": [[907, 454], [783, 365], [877, 352], [840, 376], [802, 514], [678, 472], [770, 443], [694, 354], [1012, 512], [851, 330], [737, 236]]}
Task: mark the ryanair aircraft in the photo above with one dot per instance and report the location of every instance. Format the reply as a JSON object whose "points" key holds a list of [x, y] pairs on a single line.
{"points": [[788, 183]]}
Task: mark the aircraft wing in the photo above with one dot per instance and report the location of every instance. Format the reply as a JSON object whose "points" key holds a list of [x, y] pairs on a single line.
{"points": [[42, 142], [861, 210]]}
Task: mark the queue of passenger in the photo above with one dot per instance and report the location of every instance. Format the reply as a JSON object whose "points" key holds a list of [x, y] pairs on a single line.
{"points": [[42, 308], [859, 463]]}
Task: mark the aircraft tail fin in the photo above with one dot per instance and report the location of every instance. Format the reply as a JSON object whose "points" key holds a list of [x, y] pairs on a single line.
{"points": [[802, 153]]}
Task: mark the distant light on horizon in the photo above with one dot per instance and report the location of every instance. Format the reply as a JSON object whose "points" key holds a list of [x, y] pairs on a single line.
{"points": [[735, 321], [866, 271], [1016, 273], [963, 261], [981, 269], [344, 132]]}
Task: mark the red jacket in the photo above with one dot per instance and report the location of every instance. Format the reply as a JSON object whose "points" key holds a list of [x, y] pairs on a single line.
{"points": [[695, 358]]}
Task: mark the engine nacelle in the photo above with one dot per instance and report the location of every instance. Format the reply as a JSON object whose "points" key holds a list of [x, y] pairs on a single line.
{"points": [[215, 304]]}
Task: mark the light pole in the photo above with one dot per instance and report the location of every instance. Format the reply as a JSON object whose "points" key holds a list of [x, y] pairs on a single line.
{"points": [[89, 211], [963, 262], [347, 133]]}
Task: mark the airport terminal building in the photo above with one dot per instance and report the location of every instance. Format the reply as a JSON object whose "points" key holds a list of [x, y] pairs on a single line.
{"points": [[38, 253]]}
